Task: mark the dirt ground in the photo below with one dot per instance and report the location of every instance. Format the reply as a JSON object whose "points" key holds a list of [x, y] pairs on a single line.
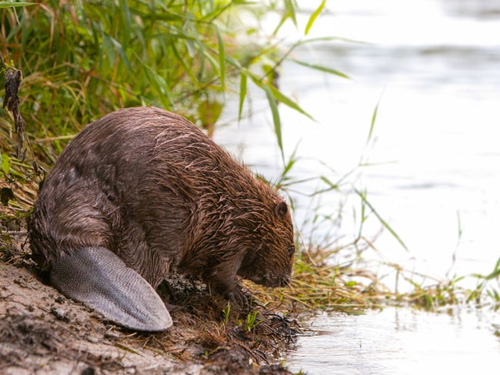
{"points": [[42, 332]]}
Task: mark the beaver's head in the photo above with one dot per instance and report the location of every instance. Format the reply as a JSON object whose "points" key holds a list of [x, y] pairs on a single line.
{"points": [[270, 262]]}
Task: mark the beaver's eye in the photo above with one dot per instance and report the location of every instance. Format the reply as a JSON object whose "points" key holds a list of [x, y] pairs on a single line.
{"points": [[291, 250]]}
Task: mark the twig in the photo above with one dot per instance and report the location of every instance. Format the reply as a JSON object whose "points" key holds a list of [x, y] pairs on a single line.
{"points": [[13, 79]]}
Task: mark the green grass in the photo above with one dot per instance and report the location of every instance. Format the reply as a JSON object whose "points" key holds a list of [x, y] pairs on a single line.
{"points": [[83, 59]]}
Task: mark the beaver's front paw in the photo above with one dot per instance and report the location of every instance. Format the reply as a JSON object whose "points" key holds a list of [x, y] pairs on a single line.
{"points": [[238, 296]]}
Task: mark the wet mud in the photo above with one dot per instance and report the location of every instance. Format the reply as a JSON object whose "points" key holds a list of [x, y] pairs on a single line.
{"points": [[43, 332]]}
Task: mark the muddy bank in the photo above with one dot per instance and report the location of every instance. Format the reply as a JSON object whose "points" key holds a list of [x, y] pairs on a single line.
{"points": [[43, 332]]}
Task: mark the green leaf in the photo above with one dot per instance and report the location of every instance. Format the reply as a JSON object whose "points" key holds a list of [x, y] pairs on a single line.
{"points": [[314, 16], [321, 68], [278, 95], [382, 221], [374, 117], [329, 39], [211, 60], [216, 12], [276, 119], [332, 185], [5, 166], [372, 124], [187, 67], [125, 14], [222, 59], [288, 102], [158, 85], [459, 222], [235, 63], [118, 46], [190, 30], [209, 112], [290, 9], [291, 162], [495, 273], [281, 23], [15, 5], [243, 92], [107, 52]]}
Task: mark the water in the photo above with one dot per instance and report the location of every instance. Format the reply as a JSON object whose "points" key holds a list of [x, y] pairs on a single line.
{"points": [[399, 341], [436, 74], [434, 156], [434, 171]]}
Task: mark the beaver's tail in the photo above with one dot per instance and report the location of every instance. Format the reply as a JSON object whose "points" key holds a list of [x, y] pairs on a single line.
{"points": [[100, 279]]}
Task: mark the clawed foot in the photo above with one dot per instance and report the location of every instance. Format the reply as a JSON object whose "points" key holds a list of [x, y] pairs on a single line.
{"points": [[239, 297], [230, 289]]}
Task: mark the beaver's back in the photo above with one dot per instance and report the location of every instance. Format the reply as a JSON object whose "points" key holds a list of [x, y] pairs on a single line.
{"points": [[139, 181], [105, 189]]}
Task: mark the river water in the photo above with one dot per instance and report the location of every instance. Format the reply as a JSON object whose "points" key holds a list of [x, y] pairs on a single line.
{"points": [[399, 341], [431, 168]]}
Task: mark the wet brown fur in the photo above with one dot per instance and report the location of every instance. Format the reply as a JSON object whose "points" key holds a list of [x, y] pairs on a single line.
{"points": [[154, 189]]}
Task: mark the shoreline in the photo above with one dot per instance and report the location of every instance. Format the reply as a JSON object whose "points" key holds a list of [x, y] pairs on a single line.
{"points": [[44, 332]]}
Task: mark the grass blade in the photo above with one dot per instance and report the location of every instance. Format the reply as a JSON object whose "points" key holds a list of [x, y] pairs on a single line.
{"points": [[276, 119], [372, 124], [330, 39], [321, 68], [313, 17], [290, 9], [281, 23], [243, 93], [186, 67], [278, 95], [495, 273], [222, 59], [15, 5], [125, 14], [374, 118], [287, 101], [333, 186], [5, 163], [291, 162], [382, 221]]}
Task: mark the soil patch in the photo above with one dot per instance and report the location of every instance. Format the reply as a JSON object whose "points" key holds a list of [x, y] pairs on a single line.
{"points": [[43, 332]]}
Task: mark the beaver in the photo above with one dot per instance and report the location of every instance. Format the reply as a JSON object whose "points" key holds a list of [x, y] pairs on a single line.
{"points": [[143, 192]]}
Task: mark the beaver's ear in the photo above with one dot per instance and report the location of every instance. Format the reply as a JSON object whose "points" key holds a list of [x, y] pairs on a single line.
{"points": [[281, 209]]}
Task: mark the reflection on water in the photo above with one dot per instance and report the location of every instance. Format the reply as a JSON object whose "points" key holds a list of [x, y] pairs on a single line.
{"points": [[399, 341]]}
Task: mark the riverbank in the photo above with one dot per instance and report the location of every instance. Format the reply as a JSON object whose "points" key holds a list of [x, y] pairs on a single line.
{"points": [[43, 332]]}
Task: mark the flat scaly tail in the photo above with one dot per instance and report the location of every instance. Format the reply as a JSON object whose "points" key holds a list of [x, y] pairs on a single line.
{"points": [[100, 279]]}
